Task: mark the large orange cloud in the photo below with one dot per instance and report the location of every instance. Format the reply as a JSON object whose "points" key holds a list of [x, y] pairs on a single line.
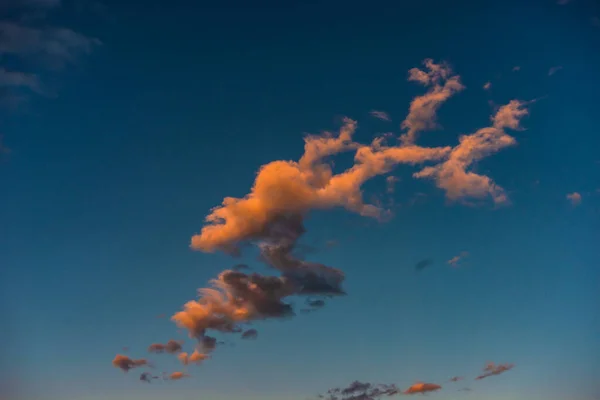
{"points": [[284, 192]]}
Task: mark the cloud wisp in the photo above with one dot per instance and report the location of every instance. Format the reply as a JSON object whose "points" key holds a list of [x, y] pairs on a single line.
{"points": [[554, 70], [272, 215], [382, 115], [455, 175], [422, 112], [26, 41], [574, 198], [492, 369], [454, 261]]}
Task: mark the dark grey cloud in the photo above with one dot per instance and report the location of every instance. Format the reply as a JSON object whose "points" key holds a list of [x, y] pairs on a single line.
{"points": [[360, 391], [250, 334], [423, 264]]}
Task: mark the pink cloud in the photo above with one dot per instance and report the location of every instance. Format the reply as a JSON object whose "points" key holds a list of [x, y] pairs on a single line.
{"points": [[454, 175], [423, 109], [574, 198]]}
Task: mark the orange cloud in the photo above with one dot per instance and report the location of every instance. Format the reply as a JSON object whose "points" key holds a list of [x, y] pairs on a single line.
{"points": [[125, 363], [492, 369], [574, 198], [422, 388], [171, 347], [453, 175], [454, 260], [487, 85], [175, 376], [196, 357], [284, 192], [423, 109]]}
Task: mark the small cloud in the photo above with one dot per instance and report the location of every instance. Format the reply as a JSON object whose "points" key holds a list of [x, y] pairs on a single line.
{"points": [[492, 369], [147, 377], [239, 267], [196, 357], [360, 391], [454, 260], [175, 376], [554, 70], [125, 363], [250, 334], [390, 183], [382, 115], [456, 378], [574, 198], [422, 388], [516, 68], [171, 347], [487, 86], [423, 264]]}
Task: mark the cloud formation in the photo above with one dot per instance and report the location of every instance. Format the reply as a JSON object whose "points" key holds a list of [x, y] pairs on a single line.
{"points": [[360, 391], [22, 42], [175, 376], [455, 260], [554, 70], [487, 85], [422, 388], [271, 216], [574, 198], [171, 347], [250, 334], [492, 369], [455, 176], [423, 109], [195, 358], [382, 115], [125, 363]]}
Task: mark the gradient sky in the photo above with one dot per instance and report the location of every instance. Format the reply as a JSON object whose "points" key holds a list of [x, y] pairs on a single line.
{"points": [[114, 164]]}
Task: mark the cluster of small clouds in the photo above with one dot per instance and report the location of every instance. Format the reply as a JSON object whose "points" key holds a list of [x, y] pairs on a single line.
{"points": [[271, 216], [369, 391], [28, 39]]}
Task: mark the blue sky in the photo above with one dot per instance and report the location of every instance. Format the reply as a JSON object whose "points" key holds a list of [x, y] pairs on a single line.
{"points": [[118, 157]]}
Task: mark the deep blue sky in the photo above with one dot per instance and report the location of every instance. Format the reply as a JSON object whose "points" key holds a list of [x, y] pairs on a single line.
{"points": [[108, 180]]}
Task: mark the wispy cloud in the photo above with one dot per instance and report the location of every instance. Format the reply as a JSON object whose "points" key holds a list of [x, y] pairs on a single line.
{"points": [[422, 111], [487, 86], [554, 70], [171, 347], [455, 176], [382, 115], [456, 259], [574, 198], [23, 41], [492, 369], [390, 183], [516, 68]]}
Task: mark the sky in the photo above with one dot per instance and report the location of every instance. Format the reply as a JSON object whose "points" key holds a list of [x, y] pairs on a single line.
{"points": [[412, 190]]}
